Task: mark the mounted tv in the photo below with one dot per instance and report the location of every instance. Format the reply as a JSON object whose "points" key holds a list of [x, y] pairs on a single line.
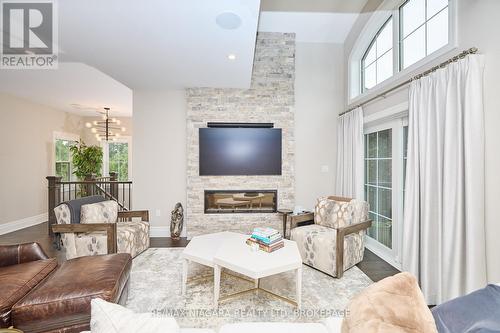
{"points": [[240, 151]]}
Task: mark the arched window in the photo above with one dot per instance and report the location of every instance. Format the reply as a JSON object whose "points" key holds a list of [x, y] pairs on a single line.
{"points": [[400, 37], [377, 64]]}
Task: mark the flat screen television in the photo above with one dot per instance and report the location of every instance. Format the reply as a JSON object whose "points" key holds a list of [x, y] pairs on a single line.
{"points": [[240, 151]]}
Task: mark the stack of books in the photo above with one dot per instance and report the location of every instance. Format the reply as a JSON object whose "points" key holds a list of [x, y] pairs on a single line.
{"points": [[268, 239]]}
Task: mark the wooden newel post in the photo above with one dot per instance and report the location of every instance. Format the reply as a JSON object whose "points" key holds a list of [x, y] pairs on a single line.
{"points": [[88, 189], [113, 188], [53, 199]]}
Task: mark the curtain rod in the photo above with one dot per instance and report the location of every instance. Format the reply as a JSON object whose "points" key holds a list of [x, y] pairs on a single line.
{"points": [[461, 55]]}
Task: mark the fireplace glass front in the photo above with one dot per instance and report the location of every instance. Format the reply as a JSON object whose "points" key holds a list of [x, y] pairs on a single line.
{"points": [[259, 201]]}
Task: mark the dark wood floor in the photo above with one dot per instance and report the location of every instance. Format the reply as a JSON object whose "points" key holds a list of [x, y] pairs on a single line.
{"points": [[372, 265]]}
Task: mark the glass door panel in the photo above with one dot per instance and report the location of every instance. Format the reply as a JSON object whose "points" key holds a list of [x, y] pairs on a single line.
{"points": [[378, 184]]}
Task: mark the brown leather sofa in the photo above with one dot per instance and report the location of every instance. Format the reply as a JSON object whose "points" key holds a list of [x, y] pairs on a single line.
{"points": [[60, 302], [22, 267]]}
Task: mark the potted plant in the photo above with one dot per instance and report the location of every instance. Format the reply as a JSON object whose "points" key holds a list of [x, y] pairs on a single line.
{"points": [[87, 160], [87, 163]]}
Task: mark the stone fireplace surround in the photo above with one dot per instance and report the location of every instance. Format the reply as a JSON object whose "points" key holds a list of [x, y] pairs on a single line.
{"points": [[270, 99]]}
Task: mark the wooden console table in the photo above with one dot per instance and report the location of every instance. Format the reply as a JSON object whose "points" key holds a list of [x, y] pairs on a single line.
{"points": [[294, 220]]}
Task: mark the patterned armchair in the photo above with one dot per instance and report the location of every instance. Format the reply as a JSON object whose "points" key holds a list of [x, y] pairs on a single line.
{"points": [[92, 225], [335, 242]]}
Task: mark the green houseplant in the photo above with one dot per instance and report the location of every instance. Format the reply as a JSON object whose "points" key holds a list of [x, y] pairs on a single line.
{"points": [[87, 160]]}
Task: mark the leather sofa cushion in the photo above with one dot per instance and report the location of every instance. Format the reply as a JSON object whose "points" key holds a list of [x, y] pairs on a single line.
{"points": [[20, 253], [64, 299], [17, 280]]}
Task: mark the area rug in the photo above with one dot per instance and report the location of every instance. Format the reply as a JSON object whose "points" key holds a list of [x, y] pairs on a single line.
{"points": [[155, 286]]}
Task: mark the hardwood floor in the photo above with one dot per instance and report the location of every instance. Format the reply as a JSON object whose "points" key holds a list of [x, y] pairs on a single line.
{"points": [[376, 268], [372, 265], [168, 242], [36, 233]]}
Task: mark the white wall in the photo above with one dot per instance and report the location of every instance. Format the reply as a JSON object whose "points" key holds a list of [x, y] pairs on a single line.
{"points": [[27, 157], [319, 97], [478, 25], [159, 155]]}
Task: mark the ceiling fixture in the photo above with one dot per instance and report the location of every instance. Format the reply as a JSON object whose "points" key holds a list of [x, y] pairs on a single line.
{"points": [[107, 129], [228, 21], [231, 56]]}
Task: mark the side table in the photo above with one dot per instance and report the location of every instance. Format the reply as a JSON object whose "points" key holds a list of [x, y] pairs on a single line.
{"points": [[285, 213]]}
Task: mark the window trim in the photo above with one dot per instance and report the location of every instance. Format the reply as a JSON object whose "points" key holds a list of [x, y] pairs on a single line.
{"points": [[385, 10], [397, 114], [394, 118], [57, 135], [105, 165]]}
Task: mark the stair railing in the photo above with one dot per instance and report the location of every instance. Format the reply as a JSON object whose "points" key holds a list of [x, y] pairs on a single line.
{"points": [[108, 187]]}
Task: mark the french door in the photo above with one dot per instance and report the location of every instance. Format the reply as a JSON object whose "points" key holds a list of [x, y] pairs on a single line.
{"points": [[385, 155]]}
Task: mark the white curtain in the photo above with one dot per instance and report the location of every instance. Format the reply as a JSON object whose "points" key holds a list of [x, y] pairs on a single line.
{"points": [[444, 240], [349, 179]]}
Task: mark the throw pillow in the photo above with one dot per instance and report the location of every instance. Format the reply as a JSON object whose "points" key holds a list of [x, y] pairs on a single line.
{"points": [[333, 214], [113, 318], [394, 304], [101, 212]]}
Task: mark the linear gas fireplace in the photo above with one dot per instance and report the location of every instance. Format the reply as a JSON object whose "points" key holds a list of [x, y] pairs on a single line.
{"points": [[221, 202]]}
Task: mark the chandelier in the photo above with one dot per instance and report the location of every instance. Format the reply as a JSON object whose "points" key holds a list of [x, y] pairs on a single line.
{"points": [[108, 129]]}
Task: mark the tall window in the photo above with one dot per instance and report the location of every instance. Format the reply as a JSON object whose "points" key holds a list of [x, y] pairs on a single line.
{"points": [[378, 184], [412, 31], [377, 63], [118, 155], [423, 29], [63, 158]]}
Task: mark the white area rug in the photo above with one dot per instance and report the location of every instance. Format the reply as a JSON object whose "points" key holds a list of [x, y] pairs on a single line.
{"points": [[155, 286]]}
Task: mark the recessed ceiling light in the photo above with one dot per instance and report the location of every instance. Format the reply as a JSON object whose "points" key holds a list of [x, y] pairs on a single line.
{"points": [[231, 56], [228, 21]]}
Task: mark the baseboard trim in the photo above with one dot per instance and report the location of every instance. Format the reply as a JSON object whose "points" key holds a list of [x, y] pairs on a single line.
{"points": [[159, 232], [8, 227], [163, 232]]}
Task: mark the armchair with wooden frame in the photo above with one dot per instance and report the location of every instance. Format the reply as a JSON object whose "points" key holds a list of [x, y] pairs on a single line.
{"points": [[129, 233], [335, 242]]}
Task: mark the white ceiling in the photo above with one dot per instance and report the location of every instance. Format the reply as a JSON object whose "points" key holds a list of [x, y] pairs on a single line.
{"points": [[156, 43], [73, 83]]}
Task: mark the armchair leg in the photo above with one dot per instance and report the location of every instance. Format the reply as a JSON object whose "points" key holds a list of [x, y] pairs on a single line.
{"points": [[341, 233], [112, 238], [339, 253]]}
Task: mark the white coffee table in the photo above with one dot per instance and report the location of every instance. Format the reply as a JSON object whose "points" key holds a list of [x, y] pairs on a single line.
{"points": [[229, 250]]}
